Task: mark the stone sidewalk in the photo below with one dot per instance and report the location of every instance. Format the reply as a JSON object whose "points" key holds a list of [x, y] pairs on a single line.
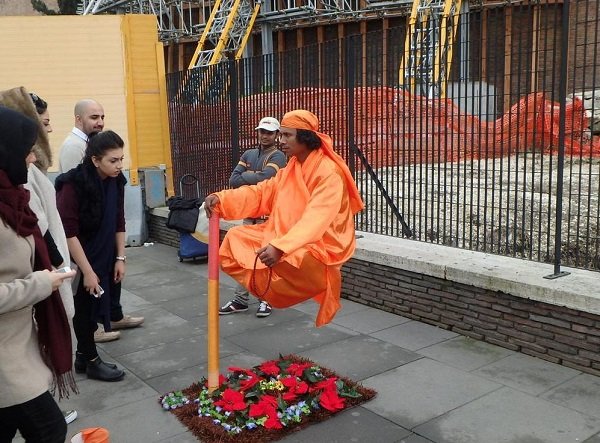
{"points": [[433, 385]]}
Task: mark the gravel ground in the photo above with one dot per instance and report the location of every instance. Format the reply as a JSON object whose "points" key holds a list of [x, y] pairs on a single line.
{"points": [[504, 206]]}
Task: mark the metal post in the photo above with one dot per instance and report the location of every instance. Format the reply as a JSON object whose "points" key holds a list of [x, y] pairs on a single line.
{"points": [[562, 97], [350, 88], [213, 302], [234, 112]]}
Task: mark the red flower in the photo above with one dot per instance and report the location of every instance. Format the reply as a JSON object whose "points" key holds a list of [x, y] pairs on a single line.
{"points": [[270, 368], [248, 372], [293, 388], [266, 406], [326, 385], [273, 422], [296, 369], [247, 384], [231, 400], [331, 401]]}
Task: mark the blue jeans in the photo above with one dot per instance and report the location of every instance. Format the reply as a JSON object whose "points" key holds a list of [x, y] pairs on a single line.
{"points": [[39, 421]]}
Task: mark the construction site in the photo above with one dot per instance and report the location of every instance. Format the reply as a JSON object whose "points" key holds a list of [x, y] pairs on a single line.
{"points": [[448, 111], [472, 124]]}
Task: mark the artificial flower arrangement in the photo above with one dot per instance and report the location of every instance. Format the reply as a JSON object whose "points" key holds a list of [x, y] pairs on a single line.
{"points": [[275, 395]]}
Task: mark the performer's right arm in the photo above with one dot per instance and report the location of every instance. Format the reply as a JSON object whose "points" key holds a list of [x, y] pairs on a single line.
{"points": [[247, 201]]}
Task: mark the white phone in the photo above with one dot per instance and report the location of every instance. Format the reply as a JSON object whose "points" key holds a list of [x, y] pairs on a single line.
{"points": [[64, 269], [99, 293]]}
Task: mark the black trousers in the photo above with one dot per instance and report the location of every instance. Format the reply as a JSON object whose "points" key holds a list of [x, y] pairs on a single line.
{"points": [[116, 310], [39, 421], [83, 323]]}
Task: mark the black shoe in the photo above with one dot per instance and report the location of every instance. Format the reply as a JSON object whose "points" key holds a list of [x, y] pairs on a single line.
{"points": [[264, 309], [232, 307], [80, 364], [98, 370]]}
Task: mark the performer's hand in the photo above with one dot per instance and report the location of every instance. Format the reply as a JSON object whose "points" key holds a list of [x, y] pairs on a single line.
{"points": [[209, 203], [269, 255]]}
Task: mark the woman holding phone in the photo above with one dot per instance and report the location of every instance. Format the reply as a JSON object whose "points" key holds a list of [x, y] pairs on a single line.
{"points": [[90, 200], [35, 339]]}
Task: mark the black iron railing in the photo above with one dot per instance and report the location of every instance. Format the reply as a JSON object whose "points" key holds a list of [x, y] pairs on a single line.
{"points": [[505, 162]]}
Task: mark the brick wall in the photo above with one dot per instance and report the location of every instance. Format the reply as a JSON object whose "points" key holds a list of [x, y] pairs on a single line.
{"points": [[158, 231], [554, 333]]}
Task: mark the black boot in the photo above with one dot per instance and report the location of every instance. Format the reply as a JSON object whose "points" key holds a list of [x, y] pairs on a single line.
{"points": [[98, 370], [81, 363]]}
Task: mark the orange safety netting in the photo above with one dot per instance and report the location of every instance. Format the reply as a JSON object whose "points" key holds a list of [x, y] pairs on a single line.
{"points": [[394, 127]]}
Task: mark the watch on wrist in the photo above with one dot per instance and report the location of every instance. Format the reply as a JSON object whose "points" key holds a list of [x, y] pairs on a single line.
{"points": [[122, 258]]}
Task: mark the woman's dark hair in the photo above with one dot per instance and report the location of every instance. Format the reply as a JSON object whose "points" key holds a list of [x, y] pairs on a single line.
{"points": [[40, 104], [308, 138], [100, 142]]}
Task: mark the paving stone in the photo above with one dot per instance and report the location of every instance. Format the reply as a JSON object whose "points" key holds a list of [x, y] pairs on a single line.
{"points": [[288, 338], [465, 353], [182, 378], [348, 307], [176, 285], [183, 353], [134, 422], [98, 396], [508, 415], [367, 321], [423, 389], [186, 437], [581, 393], [353, 425], [244, 322], [414, 438], [525, 373], [158, 328], [593, 439], [132, 302], [360, 357], [414, 335]]}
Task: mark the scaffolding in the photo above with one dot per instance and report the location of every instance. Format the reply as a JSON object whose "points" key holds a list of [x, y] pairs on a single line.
{"points": [[429, 46], [185, 20]]}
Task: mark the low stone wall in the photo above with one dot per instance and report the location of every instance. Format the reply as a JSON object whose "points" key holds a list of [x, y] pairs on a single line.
{"points": [[500, 300], [558, 334], [157, 228]]}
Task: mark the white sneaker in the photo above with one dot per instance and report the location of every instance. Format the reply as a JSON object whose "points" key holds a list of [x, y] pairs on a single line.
{"points": [[70, 415], [101, 336]]}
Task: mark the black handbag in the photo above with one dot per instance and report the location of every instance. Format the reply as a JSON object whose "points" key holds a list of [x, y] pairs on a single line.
{"points": [[183, 213]]}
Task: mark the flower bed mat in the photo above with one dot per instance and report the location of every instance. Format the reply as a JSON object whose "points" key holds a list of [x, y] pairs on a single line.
{"points": [[266, 402]]}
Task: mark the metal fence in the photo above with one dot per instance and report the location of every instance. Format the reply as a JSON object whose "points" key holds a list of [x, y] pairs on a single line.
{"points": [[506, 162]]}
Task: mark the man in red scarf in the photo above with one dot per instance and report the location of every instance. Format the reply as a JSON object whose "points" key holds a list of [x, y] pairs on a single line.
{"points": [[298, 253]]}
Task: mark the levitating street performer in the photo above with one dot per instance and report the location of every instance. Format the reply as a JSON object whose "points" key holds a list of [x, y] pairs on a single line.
{"points": [[298, 252]]}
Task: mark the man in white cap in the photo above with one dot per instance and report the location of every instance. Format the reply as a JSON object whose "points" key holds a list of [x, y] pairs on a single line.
{"points": [[256, 165]]}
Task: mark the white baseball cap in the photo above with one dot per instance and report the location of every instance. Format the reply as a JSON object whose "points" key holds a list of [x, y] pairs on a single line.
{"points": [[269, 124]]}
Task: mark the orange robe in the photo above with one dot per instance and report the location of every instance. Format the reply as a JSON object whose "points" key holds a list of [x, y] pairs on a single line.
{"points": [[310, 219]]}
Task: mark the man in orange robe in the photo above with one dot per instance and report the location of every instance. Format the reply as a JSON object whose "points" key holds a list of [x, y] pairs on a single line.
{"points": [[298, 253]]}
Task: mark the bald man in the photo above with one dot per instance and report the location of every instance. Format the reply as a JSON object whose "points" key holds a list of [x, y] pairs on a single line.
{"points": [[89, 117]]}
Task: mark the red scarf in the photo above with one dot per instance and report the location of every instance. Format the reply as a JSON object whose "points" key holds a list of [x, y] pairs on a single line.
{"points": [[54, 333]]}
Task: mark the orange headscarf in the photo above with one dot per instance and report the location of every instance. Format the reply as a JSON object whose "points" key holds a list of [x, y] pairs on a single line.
{"points": [[303, 119]]}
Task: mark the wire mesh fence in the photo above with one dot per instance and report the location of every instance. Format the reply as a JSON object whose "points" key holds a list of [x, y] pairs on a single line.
{"points": [[502, 155]]}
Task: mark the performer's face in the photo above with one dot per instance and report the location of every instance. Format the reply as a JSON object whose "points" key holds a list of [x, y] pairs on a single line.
{"points": [[290, 145]]}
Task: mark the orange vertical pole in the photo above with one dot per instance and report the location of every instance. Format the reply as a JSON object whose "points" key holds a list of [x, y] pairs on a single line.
{"points": [[213, 302]]}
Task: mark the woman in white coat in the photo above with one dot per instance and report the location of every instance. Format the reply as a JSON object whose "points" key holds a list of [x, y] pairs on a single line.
{"points": [[35, 344]]}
